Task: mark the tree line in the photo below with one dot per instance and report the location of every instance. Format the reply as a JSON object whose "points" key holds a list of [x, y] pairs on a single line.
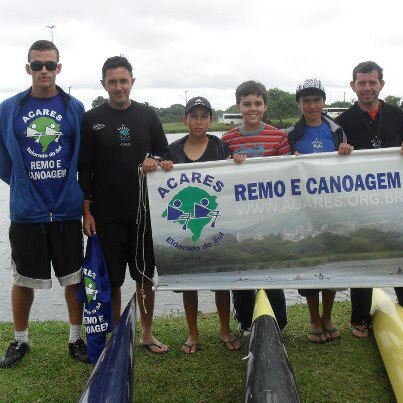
{"points": [[281, 105], [274, 251]]}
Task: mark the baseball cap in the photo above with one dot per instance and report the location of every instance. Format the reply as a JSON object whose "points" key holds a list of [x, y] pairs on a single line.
{"points": [[197, 101], [311, 86]]}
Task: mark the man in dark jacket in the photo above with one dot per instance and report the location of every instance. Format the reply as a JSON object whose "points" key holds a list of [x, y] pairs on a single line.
{"points": [[117, 137], [39, 145], [369, 124]]}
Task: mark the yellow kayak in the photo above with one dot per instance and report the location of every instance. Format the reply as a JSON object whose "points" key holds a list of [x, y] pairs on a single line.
{"points": [[388, 330]]}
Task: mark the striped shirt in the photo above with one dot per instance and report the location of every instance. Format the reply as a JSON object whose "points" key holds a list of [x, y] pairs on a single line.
{"points": [[264, 142]]}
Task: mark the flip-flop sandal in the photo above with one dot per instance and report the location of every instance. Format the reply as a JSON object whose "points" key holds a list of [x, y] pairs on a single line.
{"points": [[149, 347], [366, 330], [331, 331], [230, 344], [319, 334], [197, 347]]}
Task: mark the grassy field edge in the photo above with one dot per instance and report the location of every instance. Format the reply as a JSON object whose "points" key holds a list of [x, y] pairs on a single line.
{"points": [[347, 370]]}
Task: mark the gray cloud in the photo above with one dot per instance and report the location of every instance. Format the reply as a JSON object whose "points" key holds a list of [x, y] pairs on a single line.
{"points": [[178, 44]]}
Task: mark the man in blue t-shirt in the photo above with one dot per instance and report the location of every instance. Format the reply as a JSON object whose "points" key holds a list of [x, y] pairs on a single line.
{"points": [[39, 145], [316, 133]]}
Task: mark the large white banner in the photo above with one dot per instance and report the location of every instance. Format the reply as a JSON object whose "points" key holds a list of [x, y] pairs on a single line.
{"points": [[279, 212]]}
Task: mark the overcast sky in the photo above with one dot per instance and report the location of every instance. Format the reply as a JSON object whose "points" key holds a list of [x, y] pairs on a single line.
{"points": [[205, 47]]}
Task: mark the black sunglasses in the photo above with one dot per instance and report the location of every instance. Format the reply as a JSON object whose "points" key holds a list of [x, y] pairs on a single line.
{"points": [[38, 66]]}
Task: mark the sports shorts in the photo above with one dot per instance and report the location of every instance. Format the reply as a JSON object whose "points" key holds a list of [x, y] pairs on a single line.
{"points": [[119, 246], [37, 247]]}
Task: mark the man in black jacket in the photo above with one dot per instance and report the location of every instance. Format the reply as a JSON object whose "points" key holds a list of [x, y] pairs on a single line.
{"points": [[117, 137], [369, 124]]}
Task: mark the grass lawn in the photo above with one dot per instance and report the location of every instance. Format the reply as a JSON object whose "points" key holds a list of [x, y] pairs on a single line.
{"points": [[346, 370], [182, 128], [179, 127]]}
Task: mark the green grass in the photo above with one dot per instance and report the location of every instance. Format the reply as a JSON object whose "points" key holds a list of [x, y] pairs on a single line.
{"points": [[347, 370], [284, 123], [182, 128], [179, 127]]}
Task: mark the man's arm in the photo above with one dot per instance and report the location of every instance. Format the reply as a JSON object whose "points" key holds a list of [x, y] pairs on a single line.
{"points": [[159, 142], [89, 226], [85, 174], [401, 133], [159, 147], [344, 147], [86, 159], [151, 164], [5, 160]]}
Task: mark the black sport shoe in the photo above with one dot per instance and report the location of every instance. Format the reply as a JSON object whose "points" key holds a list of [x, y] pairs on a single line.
{"points": [[78, 350], [14, 354]]}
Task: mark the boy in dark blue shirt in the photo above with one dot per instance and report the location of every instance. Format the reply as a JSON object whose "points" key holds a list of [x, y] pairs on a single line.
{"points": [[316, 133]]}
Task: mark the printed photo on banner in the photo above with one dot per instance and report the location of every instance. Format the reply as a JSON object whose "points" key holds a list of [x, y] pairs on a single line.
{"points": [[277, 212]]}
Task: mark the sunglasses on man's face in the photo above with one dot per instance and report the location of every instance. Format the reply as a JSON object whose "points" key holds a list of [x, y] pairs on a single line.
{"points": [[38, 66]]}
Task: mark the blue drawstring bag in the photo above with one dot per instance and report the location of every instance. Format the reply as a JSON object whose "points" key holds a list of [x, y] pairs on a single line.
{"points": [[95, 292]]}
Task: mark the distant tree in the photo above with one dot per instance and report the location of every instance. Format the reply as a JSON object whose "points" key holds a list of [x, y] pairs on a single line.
{"points": [[340, 104], [232, 109], [395, 101], [281, 104], [172, 114], [217, 113], [99, 101]]}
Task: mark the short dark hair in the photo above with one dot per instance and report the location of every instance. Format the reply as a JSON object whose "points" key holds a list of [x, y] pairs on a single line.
{"points": [[367, 67], [248, 88], [114, 62], [41, 46]]}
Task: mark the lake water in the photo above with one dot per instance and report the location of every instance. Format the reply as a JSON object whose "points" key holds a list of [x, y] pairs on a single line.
{"points": [[50, 304]]}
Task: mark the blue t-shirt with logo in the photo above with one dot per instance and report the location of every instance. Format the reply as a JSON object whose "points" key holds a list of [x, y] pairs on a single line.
{"points": [[46, 142], [317, 139]]}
